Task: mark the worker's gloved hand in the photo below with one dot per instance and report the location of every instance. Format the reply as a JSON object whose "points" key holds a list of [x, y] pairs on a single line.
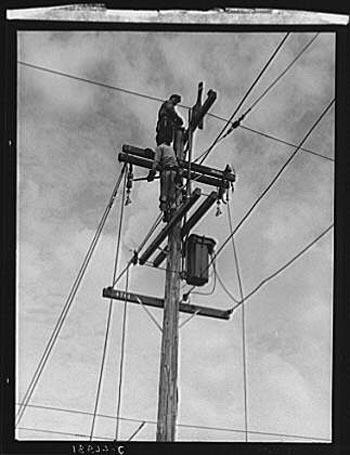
{"points": [[151, 175]]}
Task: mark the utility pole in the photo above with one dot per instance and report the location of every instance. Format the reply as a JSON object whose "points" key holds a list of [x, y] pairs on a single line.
{"points": [[168, 395], [176, 231]]}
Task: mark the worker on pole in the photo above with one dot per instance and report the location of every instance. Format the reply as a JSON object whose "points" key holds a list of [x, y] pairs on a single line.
{"points": [[168, 120], [165, 161]]}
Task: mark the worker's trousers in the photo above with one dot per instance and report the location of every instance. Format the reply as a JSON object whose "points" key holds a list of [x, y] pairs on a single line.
{"points": [[167, 189]]}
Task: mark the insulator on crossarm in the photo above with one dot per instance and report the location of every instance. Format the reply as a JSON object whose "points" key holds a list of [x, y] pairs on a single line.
{"points": [[218, 209]]}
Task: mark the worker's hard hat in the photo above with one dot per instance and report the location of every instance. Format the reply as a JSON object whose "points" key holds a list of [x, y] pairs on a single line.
{"points": [[175, 97]]}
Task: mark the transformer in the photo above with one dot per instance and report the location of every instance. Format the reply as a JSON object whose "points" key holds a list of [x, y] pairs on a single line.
{"points": [[197, 250]]}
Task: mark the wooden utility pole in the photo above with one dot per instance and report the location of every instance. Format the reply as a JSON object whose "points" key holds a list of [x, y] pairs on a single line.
{"points": [[176, 229], [168, 395], [167, 398]]}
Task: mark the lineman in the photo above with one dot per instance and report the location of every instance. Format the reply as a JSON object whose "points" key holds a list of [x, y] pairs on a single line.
{"points": [[166, 162], [168, 120]]}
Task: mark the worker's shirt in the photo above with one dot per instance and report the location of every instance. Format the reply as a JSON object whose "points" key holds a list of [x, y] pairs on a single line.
{"points": [[164, 157], [167, 110]]}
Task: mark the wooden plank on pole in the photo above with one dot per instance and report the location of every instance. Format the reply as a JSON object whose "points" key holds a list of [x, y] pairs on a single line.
{"points": [[195, 167], [146, 163], [167, 229], [157, 302], [190, 223]]}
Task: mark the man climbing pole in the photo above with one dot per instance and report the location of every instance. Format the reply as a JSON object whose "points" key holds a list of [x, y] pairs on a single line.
{"points": [[165, 160], [166, 163], [168, 120]]}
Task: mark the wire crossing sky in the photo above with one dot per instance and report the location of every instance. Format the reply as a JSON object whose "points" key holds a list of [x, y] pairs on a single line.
{"points": [[69, 134]]}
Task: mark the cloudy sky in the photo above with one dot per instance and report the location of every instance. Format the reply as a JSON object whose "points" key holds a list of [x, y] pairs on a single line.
{"points": [[69, 134]]}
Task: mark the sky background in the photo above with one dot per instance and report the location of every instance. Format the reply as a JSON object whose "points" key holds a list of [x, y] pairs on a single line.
{"points": [[69, 134]]}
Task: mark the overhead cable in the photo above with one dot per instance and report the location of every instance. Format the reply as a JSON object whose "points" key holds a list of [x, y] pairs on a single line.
{"points": [[276, 177], [237, 123], [270, 185], [153, 98], [288, 67], [274, 138], [283, 267], [244, 98], [89, 81], [133, 259], [63, 315], [122, 355], [224, 287], [138, 429], [110, 309], [183, 425], [63, 433], [148, 312], [244, 356]]}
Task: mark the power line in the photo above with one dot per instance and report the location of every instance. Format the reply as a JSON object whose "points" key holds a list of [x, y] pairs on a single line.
{"points": [[137, 251], [143, 306], [274, 138], [211, 292], [224, 287], [276, 177], [62, 317], [122, 354], [244, 98], [89, 81], [236, 124], [63, 433], [288, 67], [137, 430], [110, 309], [284, 267], [244, 357], [153, 98], [270, 185], [200, 427]]}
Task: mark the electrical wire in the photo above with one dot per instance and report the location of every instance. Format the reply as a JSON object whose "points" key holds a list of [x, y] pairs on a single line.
{"points": [[150, 265], [63, 433], [274, 138], [244, 97], [266, 91], [63, 315], [137, 430], [232, 297], [270, 185], [110, 309], [288, 67], [284, 267], [183, 425], [89, 81], [122, 354], [153, 98], [148, 312], [211, 292], [244, 356], [137, 251], [186, 321]]}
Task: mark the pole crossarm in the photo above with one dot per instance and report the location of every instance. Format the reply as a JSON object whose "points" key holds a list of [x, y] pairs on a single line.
{"points": [[190, 223], [157, 302], [197, 176], [200, 168], [165, 231], [199, 113]]}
